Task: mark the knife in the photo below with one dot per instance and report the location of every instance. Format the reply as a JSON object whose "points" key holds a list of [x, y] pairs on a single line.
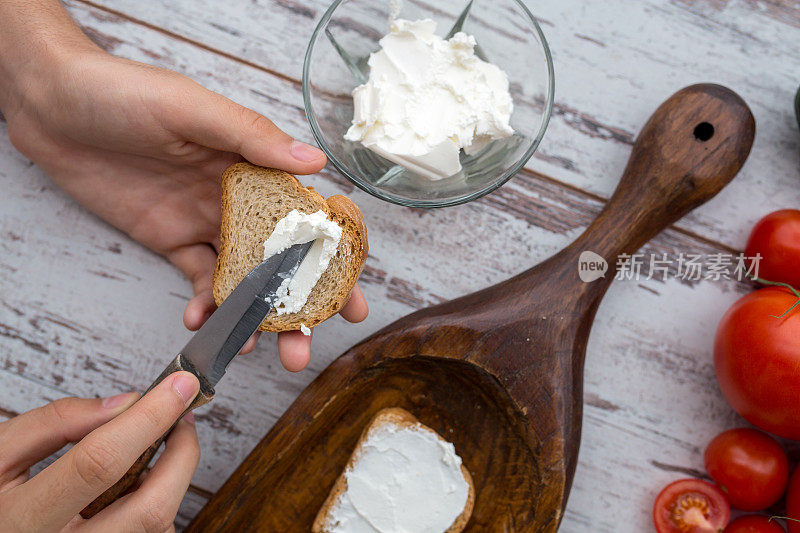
{"points": [[215, 344]]}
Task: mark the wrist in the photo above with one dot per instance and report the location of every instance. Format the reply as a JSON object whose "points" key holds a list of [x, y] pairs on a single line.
{"points": [[33, 77], [36, 42]]}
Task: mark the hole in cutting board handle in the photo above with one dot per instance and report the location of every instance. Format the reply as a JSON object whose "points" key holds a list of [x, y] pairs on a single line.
{"points": [[703, 131]]}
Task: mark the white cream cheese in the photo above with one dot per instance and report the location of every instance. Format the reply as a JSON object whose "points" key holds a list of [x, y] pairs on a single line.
{"points": [[427, 98], [305, 330], [298, 228], [405, 480]]}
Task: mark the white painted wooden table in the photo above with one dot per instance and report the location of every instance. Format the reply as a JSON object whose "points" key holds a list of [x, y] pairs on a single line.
{"points": [[86, 311]]}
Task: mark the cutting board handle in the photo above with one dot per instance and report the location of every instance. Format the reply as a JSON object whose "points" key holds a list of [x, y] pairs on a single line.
{"points": [[691, 147]]}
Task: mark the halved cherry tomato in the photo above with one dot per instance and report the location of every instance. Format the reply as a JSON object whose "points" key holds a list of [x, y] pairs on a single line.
{"points": [[749, 466], [754, 523], [776, 237], [691, 506], [757, 360]]}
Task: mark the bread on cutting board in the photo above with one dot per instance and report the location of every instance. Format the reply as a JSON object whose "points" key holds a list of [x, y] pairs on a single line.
{"points": [[254, 199], [390, 472]]}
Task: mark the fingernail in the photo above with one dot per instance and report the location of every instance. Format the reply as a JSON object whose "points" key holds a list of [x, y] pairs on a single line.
{"points": [[186, 385], [189, 417], [119, 400], [305, 152]]}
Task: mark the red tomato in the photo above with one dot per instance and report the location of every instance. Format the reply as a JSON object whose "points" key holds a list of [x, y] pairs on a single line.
{"points": [[777, 238], [793, 502], [757, 359], [691, 506], [754, 523], [749, 466]]}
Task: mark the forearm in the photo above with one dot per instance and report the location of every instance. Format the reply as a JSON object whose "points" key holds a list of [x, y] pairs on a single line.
{"points": [[35, 35]]}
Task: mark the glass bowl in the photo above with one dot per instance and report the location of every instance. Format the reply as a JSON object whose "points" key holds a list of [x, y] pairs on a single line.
{"points": [[507, 35]]}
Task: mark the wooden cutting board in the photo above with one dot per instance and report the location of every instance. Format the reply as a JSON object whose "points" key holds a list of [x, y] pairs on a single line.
{"points": [[498, 372]]}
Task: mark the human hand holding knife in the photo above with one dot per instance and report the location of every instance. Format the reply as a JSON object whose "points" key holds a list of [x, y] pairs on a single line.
{"points": [[211, 349]]}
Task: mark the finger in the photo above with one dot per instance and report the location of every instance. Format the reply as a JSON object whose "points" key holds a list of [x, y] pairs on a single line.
{"points": [[210, 119], [30, 437], [154, 505], [356, 308], [250, 345], [102, 457], [198, 310], [197, 262], [15, 482], [294, 350]]}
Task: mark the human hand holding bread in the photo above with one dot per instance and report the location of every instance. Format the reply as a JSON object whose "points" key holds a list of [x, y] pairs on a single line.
{"points": [[143, 148], [255, 201]]}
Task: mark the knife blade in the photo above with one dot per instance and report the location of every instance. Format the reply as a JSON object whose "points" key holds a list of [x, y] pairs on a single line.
{"points": [[227, 330], [213, 347]]}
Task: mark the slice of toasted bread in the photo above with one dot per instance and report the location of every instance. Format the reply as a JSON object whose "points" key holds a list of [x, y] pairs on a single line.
{"points": [[399, 418], [254, 199]]}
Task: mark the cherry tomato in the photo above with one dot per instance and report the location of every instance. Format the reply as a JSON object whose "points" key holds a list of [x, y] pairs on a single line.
{"points": [[757, 360], [749, 466], [754, 523], [691, 506], [777, 238], [793, 502]]}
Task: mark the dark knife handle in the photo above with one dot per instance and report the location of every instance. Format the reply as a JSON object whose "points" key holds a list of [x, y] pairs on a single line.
{"points": [[205, 395]]}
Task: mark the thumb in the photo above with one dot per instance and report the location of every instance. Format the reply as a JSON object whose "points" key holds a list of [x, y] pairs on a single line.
{"points": [[32, 436], [211, 120]]}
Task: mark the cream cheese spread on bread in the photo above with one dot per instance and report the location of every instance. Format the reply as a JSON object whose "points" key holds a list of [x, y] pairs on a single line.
{"points": [[299, 228], [405, 479], [427, 98]]}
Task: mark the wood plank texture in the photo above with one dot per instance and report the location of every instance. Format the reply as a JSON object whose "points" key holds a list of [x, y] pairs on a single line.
{"points": [[86, 311]]}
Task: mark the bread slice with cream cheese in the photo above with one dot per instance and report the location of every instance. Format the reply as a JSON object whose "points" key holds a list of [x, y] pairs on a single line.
{"points": [[254, 199], [341, 513]]}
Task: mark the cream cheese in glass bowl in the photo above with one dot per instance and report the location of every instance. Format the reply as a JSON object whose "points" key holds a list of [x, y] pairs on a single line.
{"points": [[424, 104]]}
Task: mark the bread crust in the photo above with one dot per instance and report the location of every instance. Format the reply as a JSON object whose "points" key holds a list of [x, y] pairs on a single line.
{"points": [[240, 250], [401, 418]]}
